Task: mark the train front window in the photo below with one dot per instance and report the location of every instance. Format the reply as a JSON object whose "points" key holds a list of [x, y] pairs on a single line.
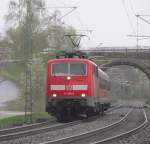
{"points": [[60, 69], [77, 69]]}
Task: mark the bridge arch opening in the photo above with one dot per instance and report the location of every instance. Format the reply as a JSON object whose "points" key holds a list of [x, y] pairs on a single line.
{"points": [[130, 80], [140, 66]]}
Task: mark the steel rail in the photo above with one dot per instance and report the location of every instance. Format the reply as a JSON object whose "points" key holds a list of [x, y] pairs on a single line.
{"points": [[12, 133], [128, 133], [22, 133], [32, 129], [86, 134], [26, 127]]}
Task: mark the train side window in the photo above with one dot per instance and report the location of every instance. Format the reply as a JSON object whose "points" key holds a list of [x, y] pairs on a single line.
{"points": [[103, 84], [95, 70], [108, 86], [100, 84]]}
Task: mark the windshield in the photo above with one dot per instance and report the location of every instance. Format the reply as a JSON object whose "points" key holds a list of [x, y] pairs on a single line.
{"points": [[69, 69], [77, 69], [60, 69]]}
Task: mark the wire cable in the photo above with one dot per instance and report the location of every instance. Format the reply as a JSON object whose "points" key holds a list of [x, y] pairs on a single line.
{"points": [[129, 19], [148, 22], [131, 6]]}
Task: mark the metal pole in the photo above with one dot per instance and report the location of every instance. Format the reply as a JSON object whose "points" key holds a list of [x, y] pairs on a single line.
{"points": [[30, 94], [30, 55], [26, 96], [137, 38], [28, 62]]}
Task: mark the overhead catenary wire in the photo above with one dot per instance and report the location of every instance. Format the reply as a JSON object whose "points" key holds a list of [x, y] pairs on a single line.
{"points": [[62, 7], [72, 8], [129, 19], [143, 37], [63, 3], [146, 21], [140, 17], [131, 6], [85, 31], [137, 33]]}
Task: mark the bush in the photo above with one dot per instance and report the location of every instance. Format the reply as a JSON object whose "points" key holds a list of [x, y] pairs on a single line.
{"points": [[20, 120]]}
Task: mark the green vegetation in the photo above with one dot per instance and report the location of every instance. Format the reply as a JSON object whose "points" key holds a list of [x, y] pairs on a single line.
{"points": [[16, 74], [20, 120], [12, 72], [129, 83], [31, 31]]}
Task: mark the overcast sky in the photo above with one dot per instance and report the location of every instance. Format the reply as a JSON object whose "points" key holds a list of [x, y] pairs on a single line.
{"points": [[110, 20]]}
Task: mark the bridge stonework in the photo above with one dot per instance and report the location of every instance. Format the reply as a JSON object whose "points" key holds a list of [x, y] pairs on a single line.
{"points": [[142, 64], [107, 58]]}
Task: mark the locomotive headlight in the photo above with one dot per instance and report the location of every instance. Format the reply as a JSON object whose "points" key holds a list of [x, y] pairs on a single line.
{"points": [[83, 95], [68, 78], [54, 95]]}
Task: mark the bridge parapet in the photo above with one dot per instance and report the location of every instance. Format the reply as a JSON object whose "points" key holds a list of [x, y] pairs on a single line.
{"points": [[120, 53]]}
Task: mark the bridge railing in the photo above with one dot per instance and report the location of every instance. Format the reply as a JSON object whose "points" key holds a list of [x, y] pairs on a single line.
{"points": [[124, 52]]}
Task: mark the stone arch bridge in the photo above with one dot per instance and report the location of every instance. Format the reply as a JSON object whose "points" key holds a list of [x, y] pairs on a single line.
{"points": [[109, 57], [106, 59]]}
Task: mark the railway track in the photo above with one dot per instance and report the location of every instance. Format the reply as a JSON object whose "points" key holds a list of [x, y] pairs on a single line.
{"points": [[130, 123], [26, 127], [30, 130], [14, 133]]}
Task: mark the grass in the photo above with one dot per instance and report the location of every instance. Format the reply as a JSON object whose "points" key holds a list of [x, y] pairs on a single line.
{"points": [[12, 73], [20, 120], [15, 72]]}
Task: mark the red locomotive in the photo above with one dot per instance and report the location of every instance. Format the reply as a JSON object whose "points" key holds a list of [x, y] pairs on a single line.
{"points": [[76, 87]]}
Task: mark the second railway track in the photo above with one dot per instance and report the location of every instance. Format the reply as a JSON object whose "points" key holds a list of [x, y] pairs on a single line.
{"points": [[134, 120], [14, 133], [35, 133]]}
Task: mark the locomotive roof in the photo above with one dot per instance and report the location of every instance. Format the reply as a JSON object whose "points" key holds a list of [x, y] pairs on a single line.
{"points": [[70, 59]]}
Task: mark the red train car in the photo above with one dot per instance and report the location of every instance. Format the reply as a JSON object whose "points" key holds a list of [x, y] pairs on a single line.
{"points": [[76, 87]]}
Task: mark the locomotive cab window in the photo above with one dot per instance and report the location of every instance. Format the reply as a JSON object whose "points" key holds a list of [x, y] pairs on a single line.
{"points": [[77, 69], [60, 69]]}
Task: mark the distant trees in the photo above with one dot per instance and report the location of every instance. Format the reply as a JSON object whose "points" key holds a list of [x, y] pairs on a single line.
{"points": [[30, 30], [129, 83], [30, 24]]}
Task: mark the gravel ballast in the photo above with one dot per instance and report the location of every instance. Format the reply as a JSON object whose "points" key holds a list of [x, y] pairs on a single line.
{"points": [[107, 119]]}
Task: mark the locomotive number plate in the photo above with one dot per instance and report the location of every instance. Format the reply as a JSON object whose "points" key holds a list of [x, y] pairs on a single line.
{"points": [[69, 87]]}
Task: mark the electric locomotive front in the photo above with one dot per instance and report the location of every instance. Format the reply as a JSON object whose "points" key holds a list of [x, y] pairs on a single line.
{"points": [[68, 82], [73, 88], [67, 78]]}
